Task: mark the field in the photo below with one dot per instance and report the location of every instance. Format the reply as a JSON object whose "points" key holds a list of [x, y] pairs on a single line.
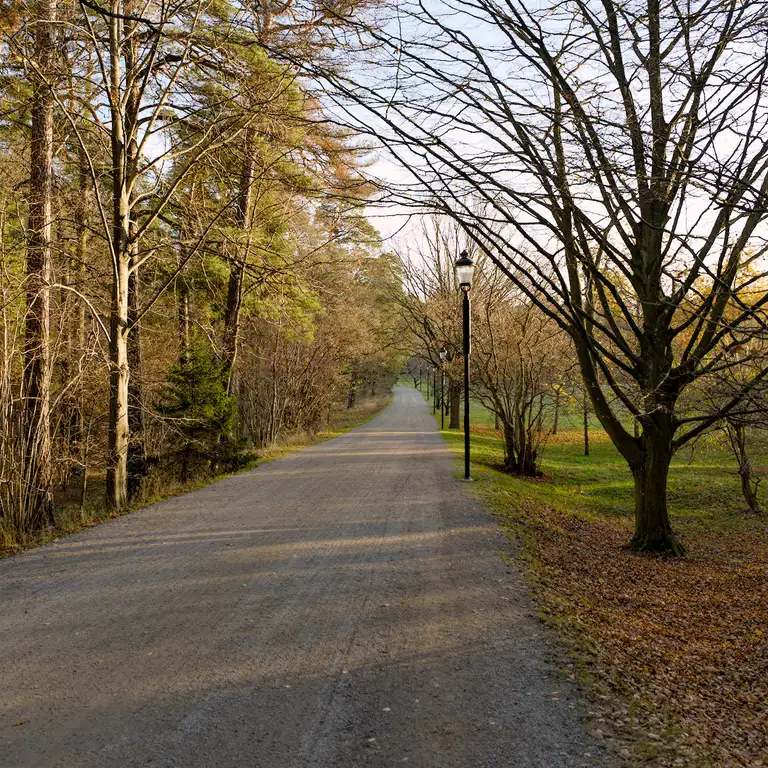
{"points": [[689, 633]]}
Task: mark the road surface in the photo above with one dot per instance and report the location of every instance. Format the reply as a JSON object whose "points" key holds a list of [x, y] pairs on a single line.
{"points": [[347, 605]]}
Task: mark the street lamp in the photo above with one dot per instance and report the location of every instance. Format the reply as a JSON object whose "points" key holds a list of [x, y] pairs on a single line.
{"points": [[443, 354], [464, 268]]}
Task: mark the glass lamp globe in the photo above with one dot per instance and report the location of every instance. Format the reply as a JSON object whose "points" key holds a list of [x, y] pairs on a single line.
{"points": [[464, 268]]}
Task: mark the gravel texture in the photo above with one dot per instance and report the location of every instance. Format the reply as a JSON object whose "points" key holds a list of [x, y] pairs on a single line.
{"points": [[347, 605]]}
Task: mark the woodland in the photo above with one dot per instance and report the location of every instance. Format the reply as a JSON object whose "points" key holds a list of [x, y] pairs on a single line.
{"points": [[187, 275]]}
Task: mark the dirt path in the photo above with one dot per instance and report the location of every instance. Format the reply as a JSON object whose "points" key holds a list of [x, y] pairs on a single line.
{"points": [[344, 606]]}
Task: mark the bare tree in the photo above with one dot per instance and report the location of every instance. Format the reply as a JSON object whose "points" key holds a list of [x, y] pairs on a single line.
{"points": [[620, 152], [518, 352], [743, 430], [430, 304]]}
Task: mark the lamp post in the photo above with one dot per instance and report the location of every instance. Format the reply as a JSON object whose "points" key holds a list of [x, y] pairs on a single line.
{"points": [[464, 268], [443, 355]]}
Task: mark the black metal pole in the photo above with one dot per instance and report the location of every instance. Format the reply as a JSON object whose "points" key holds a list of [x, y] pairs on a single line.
{"points": [[434, 392], [442, 399], [467, 330]]}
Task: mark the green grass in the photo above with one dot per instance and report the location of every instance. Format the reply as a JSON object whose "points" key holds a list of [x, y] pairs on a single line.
{"points": [[703, 489], [569, 418]]}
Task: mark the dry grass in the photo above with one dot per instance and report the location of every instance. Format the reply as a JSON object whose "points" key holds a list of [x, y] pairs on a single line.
{"points": [[70, 517]]}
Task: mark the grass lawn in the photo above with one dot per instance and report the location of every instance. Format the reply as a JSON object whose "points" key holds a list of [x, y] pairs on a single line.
{"points": [[674, 651]]}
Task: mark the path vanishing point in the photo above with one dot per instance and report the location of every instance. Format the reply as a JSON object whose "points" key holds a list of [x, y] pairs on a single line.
{"points": [[348, 605]]}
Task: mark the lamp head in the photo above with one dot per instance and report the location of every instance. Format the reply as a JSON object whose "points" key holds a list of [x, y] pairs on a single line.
{"points": [[464, 269]]}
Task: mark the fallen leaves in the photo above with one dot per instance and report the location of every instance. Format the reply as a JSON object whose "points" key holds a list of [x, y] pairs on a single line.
{"points": [[683, 640]]}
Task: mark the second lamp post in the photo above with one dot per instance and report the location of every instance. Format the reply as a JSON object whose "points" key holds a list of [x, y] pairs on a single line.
{"points": [[464, 268], [443, 354]]}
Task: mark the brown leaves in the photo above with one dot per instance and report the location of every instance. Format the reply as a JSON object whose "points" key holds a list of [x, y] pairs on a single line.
{"points": [[685, 639]]}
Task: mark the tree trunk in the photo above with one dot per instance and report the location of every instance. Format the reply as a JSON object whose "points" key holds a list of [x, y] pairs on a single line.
{"points": [[79, 438], [586, 427], [749, 485], [455, 389], [243, 220], [137, 445], [119, 373], [352, 396], [557, 413], [653, 531], [182, 295], [510, 448], [119, 433], [749, 488], [520, 456], [37, 364], [232, 323]]}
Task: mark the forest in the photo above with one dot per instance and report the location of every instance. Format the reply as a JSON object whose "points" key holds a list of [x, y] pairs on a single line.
{"points": [[187, 274]]}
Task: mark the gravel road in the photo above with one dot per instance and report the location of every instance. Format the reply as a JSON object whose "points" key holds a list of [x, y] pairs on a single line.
{"points": [[347, 605]]}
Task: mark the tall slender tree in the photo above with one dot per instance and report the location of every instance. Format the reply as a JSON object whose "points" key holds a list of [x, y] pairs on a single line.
{"points": [[38, 360]]}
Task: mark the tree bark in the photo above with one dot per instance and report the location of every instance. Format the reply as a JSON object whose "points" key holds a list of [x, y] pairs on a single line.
{"points": [[557, 412], [653, 531], [749, 485], [455, 392], [37, 364], [137, 444], [79, 437], [243, 220], [182, 296], [119, 375], [119, 432], [749, 488], [510, 449]]}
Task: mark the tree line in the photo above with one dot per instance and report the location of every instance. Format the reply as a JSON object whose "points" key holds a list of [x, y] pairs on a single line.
{"points": [[186, 271], [524, 368]]}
